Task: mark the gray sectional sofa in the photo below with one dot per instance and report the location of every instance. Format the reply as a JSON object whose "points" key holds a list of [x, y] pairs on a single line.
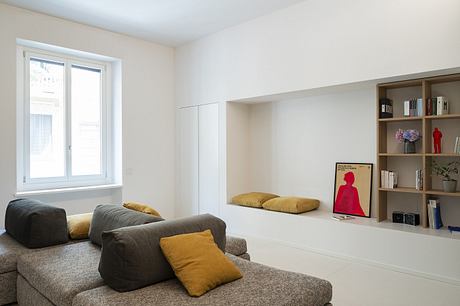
{"points": [[68, 274]]}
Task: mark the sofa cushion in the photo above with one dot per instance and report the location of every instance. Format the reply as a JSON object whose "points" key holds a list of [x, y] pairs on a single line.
{"points": [[236, 246], [253, 199], [10, 250], [29, 296], [293, 205], [131, 257], [35, 224], [8, 287], [78, 225], [197, 262], [109, 217], [60, 273], [143, 208], [260, 286]]}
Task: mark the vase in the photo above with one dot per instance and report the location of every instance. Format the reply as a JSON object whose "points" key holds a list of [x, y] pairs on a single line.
{"points": [[449, 186], [409, 147]]}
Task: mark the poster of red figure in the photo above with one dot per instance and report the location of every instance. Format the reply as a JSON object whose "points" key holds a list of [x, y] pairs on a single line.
{"points": [[353, 187]]}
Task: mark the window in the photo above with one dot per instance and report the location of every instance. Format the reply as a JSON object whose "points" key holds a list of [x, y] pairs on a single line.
{"points": [[64, 120]]}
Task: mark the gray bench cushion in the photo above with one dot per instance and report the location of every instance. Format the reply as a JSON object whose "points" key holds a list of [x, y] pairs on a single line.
{"points": [[236, 246], [62, 272], [260, 286]]}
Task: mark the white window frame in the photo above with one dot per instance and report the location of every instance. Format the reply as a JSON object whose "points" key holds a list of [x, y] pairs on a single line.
{"points": [[24, 181]]}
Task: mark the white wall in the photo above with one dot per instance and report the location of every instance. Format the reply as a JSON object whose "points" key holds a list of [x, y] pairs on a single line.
{"points": [[319, 43], [148, 109]]}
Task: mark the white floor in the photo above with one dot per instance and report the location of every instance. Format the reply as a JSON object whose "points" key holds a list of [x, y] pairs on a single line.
{"points": [[356, 284]]}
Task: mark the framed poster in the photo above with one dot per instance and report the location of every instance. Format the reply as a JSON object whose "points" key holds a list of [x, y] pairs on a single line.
{"points": [[353, 189]]}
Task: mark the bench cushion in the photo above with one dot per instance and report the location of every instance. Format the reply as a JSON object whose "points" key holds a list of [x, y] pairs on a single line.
{"points": [[35, 224], [62, 272], [260, 286]]}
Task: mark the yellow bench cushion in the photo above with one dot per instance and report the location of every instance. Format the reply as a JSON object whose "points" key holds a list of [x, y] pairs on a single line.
{"points": [[293, 205], [253, 199]]}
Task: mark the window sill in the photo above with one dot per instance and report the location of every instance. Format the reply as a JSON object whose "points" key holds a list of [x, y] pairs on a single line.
{"points": [[68, 189]]}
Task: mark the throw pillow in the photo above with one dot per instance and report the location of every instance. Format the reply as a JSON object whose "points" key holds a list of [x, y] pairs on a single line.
{"points": [[144, 208], [197, 262], [78, 225]]}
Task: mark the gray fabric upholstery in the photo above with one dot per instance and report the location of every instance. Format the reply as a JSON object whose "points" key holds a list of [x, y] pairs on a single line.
{"points": [[35, 224], [131, 257], [245, 256], [59, 273], [10, 250], [110, 217], [260, 286], [236, 246], [8, 287], [29, 296]]}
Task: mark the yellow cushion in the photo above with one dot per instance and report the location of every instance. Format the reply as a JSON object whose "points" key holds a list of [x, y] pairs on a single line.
{"points": [[197, 262], [78, 225], [253, 199], [144, 208], [291, 204]]}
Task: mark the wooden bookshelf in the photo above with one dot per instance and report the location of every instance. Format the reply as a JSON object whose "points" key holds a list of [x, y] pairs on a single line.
{"points": [[390, 155]]}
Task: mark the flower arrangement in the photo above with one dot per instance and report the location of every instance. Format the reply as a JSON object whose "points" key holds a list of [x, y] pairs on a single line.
{"points": [[407, 135]]}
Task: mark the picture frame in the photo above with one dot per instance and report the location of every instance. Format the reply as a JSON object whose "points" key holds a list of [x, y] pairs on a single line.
{"points": [[353, 189]]}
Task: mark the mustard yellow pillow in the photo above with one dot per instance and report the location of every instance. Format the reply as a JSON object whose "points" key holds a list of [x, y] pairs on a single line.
{"points": [[197, 262], [292, 205], [253, 199], [78, 225], [144, 208]]}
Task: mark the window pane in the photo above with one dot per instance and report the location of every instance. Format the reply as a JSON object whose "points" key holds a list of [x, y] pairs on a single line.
{"points": [[86, 121], [47, 132]]}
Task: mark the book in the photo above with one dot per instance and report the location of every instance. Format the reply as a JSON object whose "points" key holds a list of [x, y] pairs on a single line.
{"points": [[434, 214], [442, 106], [406, 108], [429, 106], [434, 103], [457, 145], [418, 179], [391, 179], [419, 107]]}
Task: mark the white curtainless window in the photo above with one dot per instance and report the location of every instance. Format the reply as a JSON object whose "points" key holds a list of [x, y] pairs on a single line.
{"points": [[64, 116]]}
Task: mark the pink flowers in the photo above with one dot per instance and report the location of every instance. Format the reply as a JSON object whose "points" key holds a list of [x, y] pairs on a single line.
{"points": [[407, 135]]}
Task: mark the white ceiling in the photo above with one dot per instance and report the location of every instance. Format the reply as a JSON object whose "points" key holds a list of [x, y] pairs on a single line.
{"points": [[170, 22]]}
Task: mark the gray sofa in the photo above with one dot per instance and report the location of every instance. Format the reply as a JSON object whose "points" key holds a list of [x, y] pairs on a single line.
{"points": [[68, 275]]}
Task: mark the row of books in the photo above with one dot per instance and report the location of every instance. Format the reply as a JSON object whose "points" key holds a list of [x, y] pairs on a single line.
{"points": [[457, 145], [419, 179], [388, 179], [437, 106], [413, 108], [434, 214]]}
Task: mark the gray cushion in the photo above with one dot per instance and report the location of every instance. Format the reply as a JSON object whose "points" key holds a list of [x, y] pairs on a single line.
{"points": [[35, 224], [131, 257], [29, 296], [61, 272], [236, 246], [109, 217], [8, 287], [259, 286]]}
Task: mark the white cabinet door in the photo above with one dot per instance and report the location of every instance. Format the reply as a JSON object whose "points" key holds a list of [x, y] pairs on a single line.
{"points": [[208, 158], [187, 195]]}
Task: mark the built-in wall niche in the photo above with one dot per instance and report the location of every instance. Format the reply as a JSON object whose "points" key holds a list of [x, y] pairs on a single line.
{"points": [[405, 167], [290, 147], [392, 145], [434, 182], [411, 90], [405, 202]]}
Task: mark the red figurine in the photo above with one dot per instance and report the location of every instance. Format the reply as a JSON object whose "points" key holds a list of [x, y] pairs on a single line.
{"points": [[437, 135]]}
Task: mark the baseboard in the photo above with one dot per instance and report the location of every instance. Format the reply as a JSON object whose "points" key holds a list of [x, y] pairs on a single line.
{"points": [[353, 259]]}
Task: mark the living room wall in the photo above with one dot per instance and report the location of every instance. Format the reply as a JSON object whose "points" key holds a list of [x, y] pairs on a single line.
{"points": [[147, 111]]}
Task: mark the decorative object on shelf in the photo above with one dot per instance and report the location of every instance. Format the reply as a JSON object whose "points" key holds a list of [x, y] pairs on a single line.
{"points": [[446, 171], [457, 145], [353, 196], [419, 179], [398, 217], [412, 219], [437, 135], [409, 137], [434, 213], [386, 108]]}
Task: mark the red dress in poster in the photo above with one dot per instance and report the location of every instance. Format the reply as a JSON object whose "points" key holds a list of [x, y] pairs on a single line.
{"points": [[347, 200]]}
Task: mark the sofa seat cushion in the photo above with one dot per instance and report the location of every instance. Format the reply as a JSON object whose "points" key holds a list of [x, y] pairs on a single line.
{"points": [[62, 272], [260, 285], [10, 250], [8, 287], [236, 246]]}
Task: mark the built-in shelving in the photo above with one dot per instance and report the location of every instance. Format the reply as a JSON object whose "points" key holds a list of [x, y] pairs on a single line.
{"points": [[388, 155]]}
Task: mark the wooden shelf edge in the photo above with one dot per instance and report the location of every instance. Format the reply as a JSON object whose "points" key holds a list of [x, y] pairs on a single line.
{"points": [[400, 154], [402, 189], [400, 119], [442, 193], [442, 154], [449, 116]]}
